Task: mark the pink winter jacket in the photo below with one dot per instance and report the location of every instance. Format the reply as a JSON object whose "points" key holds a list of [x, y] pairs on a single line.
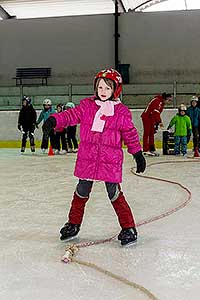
{"points": [[100, 154]]}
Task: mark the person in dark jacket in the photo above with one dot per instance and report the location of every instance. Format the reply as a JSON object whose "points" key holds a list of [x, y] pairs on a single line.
{"points": [[194, 113], [26, 123]]}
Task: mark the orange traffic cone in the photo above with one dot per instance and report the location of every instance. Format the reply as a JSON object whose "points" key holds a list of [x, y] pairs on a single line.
{"points": [[196, 152], [51, 153]]}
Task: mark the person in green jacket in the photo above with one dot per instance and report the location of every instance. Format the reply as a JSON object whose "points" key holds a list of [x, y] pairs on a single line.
{"points": [[183, 129]]}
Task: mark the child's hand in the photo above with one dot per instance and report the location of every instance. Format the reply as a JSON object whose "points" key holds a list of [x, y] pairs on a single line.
{"points": [[170, 130], [21, 129], [140, 162]]}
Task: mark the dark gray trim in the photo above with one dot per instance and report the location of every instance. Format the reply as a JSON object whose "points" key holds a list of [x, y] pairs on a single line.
{"points": [[4, 14], [145, 2], [121, 4]]}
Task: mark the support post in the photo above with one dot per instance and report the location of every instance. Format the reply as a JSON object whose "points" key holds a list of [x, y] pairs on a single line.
{"points": [[116, 35]]}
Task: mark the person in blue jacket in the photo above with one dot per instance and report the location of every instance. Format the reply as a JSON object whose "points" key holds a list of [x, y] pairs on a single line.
{"points": [[45, 113], [194, 113]]}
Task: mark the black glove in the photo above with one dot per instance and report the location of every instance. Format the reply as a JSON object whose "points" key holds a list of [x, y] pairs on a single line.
{"points": [[140, 162], [188, 138], [48, 125], [156, 127]]}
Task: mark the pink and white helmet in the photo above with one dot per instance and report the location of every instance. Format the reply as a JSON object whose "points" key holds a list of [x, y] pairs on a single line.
{"points": [[113, 75]]}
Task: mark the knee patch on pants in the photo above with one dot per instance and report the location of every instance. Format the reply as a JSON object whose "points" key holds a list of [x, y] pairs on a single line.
{"points": [[83, 188], [113, 190]]}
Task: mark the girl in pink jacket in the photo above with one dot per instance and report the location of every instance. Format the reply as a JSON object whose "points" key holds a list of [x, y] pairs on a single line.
{"points": [[105, 123]]}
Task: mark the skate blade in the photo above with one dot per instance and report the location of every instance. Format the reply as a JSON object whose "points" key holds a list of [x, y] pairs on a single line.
{"points": [[129, 244], [69, 238], [149, 154], [155, 154]]}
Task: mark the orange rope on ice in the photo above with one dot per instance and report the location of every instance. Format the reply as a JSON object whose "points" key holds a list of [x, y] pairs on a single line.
{"points": [[73, 248], [165, 214]]}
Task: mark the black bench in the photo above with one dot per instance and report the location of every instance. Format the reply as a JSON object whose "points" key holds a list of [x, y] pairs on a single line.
{"points": [[32, 73]]}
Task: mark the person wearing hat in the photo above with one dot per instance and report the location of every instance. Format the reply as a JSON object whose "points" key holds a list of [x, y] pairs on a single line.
{"points": [[26, 123], [71, 132], [60, 139], [151, 118], [194, 113], [183, 129], [48, 109]]}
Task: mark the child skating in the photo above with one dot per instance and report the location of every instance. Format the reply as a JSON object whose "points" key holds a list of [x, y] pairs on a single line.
{"points": [[26, 123], [194, 113], [105, 123], [71, 133], [183, 129], [60, 140], [45, 113]]}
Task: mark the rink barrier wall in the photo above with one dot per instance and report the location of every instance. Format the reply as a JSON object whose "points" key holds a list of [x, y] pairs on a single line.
{"points": [[10, 136], [17, 144]]}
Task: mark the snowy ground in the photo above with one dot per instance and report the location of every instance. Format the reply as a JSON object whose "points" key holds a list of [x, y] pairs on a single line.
{"points": [[35, 197]]}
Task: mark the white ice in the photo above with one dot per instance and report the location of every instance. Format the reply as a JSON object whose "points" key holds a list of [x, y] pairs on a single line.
{"points": [[35, 196]]}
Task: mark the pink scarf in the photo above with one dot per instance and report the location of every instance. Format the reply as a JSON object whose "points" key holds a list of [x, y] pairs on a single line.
{"points": [[106, 109]]}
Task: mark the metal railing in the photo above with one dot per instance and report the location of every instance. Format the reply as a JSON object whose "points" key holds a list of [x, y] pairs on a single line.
{"points": [[134, 95]]}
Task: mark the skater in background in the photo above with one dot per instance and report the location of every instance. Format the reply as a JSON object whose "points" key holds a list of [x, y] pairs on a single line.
{"points": [[71, 132], [198, 105], [194, 113], [151, 118], [45, 113], [105, 123], [26, 123], [60, 139], [198, 102], [183, 129]]}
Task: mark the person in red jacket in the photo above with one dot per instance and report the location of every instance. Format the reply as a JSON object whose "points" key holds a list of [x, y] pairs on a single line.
{"points": [[152, 120]]}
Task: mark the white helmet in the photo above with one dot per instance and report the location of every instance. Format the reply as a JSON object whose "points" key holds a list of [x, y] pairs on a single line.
{"points": [[182, 107], [194, 98], [70, 105], [47, 102]]}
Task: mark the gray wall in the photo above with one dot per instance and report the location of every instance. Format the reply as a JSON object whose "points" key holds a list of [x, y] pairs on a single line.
{"points": [[160, 47], [72, 46]]}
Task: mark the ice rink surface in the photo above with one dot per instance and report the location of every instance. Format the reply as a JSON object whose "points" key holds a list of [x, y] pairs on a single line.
{"points": [[36, 191]]}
